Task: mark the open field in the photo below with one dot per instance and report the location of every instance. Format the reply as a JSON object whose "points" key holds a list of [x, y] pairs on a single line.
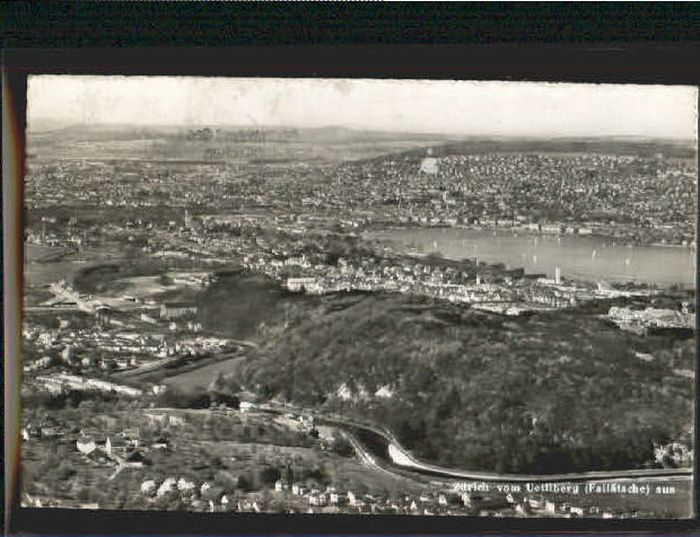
{"points": [[38, 274], [138, 286], [35, 252], [202, 376]]}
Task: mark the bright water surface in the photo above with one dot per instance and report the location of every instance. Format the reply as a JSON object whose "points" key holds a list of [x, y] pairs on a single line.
{"points": [[584, 258]]}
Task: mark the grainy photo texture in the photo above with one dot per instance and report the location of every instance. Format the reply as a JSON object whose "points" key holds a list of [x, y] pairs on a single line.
{"points": [[359, 296]]}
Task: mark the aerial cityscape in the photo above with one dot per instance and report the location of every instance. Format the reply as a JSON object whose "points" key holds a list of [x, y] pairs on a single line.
{"points": [[234, 312]]}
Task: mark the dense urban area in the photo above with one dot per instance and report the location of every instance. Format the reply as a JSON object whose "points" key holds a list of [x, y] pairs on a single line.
{"points": [[215, 320]]}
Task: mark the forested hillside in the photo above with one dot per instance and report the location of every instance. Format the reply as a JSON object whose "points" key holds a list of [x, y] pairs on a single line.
{"points": [[560, 391]]}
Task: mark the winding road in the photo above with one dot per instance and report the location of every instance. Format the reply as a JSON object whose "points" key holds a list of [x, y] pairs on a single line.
{"points": [[394, 456]]}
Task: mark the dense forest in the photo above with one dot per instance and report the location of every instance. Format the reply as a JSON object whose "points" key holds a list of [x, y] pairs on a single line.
{"points": [[555, 392]]}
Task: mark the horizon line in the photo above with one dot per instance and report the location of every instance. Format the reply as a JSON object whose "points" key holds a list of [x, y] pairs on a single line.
{"points": [[31, 126]]}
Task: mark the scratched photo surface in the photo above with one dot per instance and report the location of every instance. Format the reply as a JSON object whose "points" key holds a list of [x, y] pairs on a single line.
{"points": [[365, 297]]}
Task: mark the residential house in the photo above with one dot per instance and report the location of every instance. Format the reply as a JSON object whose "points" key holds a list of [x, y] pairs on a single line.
{"points": [[298, 489], [149, 487], [31, 432], [576, 511], [85, 445], [167, 486], [131, 438], [281, 485], [183, 485], [119, 447], [300, 284], [317, 498], [334, 497], [177, 310]]}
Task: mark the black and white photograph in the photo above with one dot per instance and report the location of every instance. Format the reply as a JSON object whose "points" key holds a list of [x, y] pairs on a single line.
{"points": [[359, 296]]}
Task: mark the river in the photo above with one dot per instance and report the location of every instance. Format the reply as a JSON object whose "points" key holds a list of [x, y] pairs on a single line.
{"points": [[584, 258]]}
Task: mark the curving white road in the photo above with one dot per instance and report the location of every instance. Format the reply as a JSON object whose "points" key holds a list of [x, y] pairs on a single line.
{"points": [[403, 459]]}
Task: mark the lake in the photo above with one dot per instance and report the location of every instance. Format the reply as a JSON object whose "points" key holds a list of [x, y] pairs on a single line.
{"points": [[583, 258]]}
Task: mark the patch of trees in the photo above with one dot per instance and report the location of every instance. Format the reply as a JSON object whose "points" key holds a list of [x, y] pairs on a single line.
{"points": [[237, 304], [333, 247], [65, 399], [96, 278], [204, 134], [195, 397]]}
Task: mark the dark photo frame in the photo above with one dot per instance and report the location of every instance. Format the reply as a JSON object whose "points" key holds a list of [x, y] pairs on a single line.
{"points": [[357, 52]]}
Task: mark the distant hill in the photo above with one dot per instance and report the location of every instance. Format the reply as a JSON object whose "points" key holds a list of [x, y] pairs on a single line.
{"points": [[97, 133], [329, 143], [329, 134], [612, 145], [345, 135], [268, 145], [451, 144]]}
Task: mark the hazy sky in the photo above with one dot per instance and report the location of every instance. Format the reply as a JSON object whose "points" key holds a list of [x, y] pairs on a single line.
{"points": [[486, 108]]}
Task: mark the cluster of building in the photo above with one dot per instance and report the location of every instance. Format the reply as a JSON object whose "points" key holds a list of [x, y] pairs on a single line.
{"points": [[124, 450], [652, 319], [48, 428], [60, 383], [674, 455], [638, 199], [203, 496], [103, 182], [505, 291], [596, 193], [140, 338], [100, 348], [514, 291], [279, 212], [127, 448], [308, 498]]}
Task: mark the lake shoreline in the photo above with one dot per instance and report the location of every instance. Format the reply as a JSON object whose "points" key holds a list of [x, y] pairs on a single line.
{"points": [[530, 232], [586, 258]]}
